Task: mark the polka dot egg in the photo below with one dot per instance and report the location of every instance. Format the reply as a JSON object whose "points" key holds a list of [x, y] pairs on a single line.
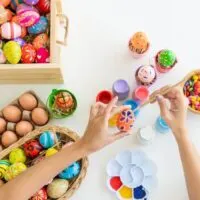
{"points": [[28, 53], [42, 55], [39, 27], [48, 139]]}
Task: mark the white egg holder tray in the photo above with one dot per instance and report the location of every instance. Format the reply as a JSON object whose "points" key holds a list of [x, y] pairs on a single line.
{"points": [[135, 171]]}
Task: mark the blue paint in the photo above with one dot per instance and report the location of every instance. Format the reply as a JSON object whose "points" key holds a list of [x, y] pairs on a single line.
{"points": [[161, 126], [134, 104], [139, 193]]}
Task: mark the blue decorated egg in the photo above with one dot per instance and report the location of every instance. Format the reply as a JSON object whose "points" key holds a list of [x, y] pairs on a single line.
{"points": [[39, 27], [71, 172], [48, 139]]}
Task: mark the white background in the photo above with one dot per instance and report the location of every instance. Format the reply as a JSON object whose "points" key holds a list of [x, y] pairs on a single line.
{"points": [[97, 55]]}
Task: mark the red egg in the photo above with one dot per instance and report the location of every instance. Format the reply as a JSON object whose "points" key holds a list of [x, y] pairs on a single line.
{"points": [[43, 6], [32, 148], [28, 53], [42, 55], [40, 195]]}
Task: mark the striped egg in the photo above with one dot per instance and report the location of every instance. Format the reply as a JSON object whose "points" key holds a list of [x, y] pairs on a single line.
{"points": [[47, 139], [39, 27], [15, 3], [2, 57], [10, 30], [28, 53], [4, 164], [24, 29]]}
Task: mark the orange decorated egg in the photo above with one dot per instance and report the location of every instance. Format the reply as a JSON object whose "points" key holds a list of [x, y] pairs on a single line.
{"points": [[5, 2], [41, 41], [28, 53], [40, 195], [10, 30]]}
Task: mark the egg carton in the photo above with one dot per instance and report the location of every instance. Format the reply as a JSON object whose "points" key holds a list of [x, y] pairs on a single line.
{"points": [[25, 116]]}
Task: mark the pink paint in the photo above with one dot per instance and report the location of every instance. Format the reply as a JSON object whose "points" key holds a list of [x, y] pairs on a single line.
{"points": [[141, 93]]}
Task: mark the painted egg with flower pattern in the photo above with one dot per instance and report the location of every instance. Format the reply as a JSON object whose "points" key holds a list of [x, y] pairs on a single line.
{"points": [[43, 6], [40, 195], [2, 57], [15, 3], [39, 27], [125, 120], [28, 53], [31, 2], [41, 41], [42, 55], [10, 30]]}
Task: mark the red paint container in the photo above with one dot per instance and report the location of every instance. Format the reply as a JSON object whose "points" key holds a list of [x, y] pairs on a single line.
{"points": [[141, 93], [104, 96]]}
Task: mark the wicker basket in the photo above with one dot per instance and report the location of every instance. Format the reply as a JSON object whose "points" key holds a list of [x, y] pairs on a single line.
{"points": [[67, 135]]}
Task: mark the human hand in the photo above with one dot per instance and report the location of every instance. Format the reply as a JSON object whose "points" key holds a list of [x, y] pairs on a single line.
{"points": [[96, 135], [175, 113]]}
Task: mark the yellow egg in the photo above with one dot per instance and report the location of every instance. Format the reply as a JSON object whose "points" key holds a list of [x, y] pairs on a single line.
{"points": [[17, 155], [51, 152], [12, 52]]}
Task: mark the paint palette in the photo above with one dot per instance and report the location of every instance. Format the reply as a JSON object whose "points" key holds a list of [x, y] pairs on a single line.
{"points": [[131, 175]]}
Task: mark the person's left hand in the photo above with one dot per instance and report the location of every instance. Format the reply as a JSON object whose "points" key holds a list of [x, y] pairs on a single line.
{"points": [[96, 135]]}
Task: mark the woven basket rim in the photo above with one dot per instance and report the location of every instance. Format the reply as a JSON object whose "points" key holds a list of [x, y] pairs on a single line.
{"points": [[72, 135]]}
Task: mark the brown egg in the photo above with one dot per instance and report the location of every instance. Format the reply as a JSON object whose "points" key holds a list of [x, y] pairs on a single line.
{"points": [[2, 125], [12, 113], [39, 116], [8, 138], [1, 183], [28, 101], [23, 127]]}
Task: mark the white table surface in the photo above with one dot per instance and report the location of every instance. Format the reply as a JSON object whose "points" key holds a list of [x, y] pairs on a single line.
{"points": [[97, 55]]}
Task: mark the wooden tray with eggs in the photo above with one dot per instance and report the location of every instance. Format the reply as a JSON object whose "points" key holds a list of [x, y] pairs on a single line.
{"points": [[37, 146], [29, 41], [20, 117]]}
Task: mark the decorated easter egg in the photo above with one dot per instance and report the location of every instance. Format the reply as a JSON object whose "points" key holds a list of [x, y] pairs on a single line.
{"points": [[125, 120], [5, 2], [31, 2], [48, 139], [2, 57], [43, 6], [41, 41], [28, 53], [10, 30], [12, 52], [14, 170], [4, 164], [21, 8], [51, 152], [40, 195], [39, 27], [15, 3], [42, 55], [17, 155], [32, 148], [71, 172], [24, 30], [20, 41], [57, 188]]}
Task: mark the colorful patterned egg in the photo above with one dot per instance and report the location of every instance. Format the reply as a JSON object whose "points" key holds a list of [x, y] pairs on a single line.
{"points": [[71, 172], [31, 2], [39, 27], [4, 164], [24, 30], [40, 195], [14, 170], [28, 53], [32, 148], [48, 139], [15, 3], [17, 155], [12, 52], [2, 57], [41, 41], [5, 2], [44, 6], [42, 55], [125, 120], [20, 41], [10, 30], [23, 8]]}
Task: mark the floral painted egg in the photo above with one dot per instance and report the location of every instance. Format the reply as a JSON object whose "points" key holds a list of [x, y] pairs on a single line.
{"points": [[28, 53], [5, 3], [20, 41], [24, 30], [31, 2], [15, 3], [32, 148], [2, 57], [40, 195], [125, 120], [41, 41], [44, 6], [12, 52], [42, 55], [39, 27], [10, 30]]}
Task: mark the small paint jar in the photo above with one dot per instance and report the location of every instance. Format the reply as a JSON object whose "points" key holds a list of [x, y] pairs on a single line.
{"points": [[121, 89], [146, 135], [134, 105], [141, 94], [104, 96], [161, 126]]}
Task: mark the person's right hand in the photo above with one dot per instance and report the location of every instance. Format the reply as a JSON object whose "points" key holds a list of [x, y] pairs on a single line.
{"points": [[175, 114]]}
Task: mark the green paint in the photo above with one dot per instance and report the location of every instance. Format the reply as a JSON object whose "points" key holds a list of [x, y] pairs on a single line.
{"points": [[167, 58]]}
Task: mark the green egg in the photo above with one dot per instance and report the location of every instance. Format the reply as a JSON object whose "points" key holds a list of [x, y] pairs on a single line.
{"points": [[12, 52]]}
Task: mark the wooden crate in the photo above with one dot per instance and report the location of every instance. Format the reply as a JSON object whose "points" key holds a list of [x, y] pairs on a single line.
{"points": [[40, 73]]}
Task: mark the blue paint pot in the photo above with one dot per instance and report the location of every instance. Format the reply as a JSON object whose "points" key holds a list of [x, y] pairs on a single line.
{"points": [[139, 193], [134, 104], [161, 126]]}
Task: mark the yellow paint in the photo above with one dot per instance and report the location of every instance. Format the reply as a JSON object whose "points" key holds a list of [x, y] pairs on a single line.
{"points": [[113, 120], [125, 192]]}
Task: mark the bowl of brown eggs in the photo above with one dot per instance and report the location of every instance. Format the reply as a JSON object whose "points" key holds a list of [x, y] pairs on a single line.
{"points": [[21, 117]]}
